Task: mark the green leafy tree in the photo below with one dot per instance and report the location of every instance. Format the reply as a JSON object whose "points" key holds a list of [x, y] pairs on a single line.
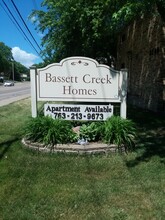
{"points": [[5, 52], [5, 59], [74, 28], [20, 69], [8, 64], [87, 28]]}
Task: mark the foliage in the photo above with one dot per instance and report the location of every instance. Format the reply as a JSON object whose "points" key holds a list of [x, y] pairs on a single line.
{"points": [[48, 131], [8, 64], [5, 58], [114, 130], [54, 131], [87, 28], [5, 52], [21, 68], [120, 131], [90, 131]]}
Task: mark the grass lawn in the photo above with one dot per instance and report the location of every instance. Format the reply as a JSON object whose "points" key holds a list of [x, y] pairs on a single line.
{"points": [[37, 186]]}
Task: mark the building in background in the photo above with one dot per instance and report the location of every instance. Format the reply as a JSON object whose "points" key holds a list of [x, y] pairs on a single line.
{"points": [[141, 49]]}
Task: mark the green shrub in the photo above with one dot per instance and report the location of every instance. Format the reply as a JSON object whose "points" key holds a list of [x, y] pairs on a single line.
{"points": [[49, 131], [114, 130], [91, 131], [121, 132]]}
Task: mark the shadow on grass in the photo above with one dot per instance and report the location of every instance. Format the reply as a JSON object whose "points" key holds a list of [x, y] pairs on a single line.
{"points": [[151, 135], [151, 147], [5, 146], [146, 119]]}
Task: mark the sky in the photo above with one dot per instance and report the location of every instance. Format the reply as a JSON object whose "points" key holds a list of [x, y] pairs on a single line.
{"points": [[12, 36]]}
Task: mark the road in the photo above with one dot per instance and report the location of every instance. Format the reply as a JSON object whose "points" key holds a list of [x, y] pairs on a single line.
{"points": [[14, 93]]}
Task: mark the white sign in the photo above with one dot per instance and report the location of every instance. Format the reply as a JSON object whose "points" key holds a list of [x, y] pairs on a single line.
{"points": [[78, 112], [78, 79]]}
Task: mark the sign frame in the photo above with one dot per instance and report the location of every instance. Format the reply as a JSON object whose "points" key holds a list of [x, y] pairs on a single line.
{"points": [[110, 84]]}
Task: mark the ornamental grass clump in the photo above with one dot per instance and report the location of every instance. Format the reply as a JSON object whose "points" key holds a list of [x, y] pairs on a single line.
{"points": [[120, 132], [48, 131]]}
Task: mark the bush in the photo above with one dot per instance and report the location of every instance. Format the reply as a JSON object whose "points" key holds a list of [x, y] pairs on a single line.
{"points": [[49, 131], [114, 130], [121, 132], [91, 131]]}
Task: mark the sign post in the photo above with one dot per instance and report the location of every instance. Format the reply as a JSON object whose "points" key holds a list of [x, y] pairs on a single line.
{"points": [[33, 80]]}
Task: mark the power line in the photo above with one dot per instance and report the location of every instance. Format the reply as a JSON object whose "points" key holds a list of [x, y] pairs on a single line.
{"points": [[11, 16], [26, 25], [16, 25]]}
